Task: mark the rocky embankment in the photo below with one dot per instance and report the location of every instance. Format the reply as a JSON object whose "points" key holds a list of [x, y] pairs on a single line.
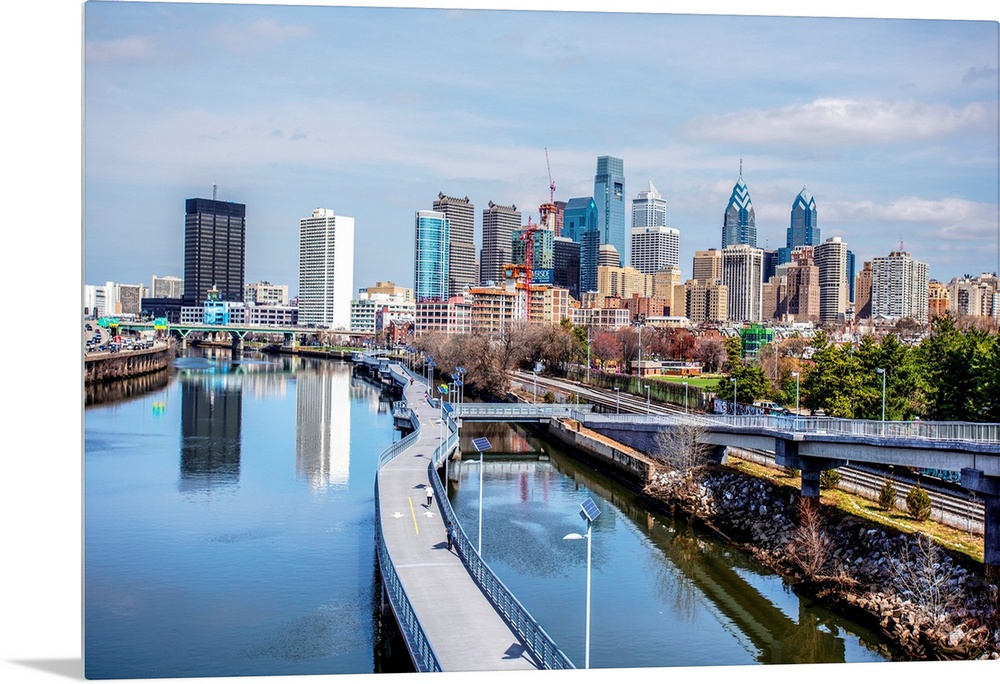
{"points": [[921, 598]]}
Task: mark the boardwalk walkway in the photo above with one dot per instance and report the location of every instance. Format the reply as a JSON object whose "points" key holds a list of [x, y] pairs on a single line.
{"points": [[462, 626]]}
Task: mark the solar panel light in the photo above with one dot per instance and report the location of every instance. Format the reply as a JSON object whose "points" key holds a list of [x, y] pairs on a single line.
{"points": [[482, 444], [589, 510]]}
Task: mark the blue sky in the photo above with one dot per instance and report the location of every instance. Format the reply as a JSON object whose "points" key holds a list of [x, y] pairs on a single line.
{"points": [[891, 124]]}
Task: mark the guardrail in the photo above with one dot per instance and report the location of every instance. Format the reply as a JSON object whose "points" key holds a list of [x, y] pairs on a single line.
{"points": [[540, 645], [513, 411], [982, 433]]}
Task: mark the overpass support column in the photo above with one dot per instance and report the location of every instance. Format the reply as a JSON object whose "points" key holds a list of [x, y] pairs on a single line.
{"points": [[786, 454], [989, 488]]}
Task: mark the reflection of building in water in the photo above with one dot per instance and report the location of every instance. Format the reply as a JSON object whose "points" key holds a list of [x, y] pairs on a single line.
{"points": [[323, 426], [211, 425]]}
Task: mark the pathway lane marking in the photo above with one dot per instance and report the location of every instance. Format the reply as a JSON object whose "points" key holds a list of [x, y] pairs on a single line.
{"points": [[414, 515]]}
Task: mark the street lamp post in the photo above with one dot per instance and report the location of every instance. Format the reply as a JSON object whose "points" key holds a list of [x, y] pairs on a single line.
{"points": [[588, 358], [534, 389], [685, 397], [796, 374], [481, 444], [647, 400], [589, 512], [734, 398], [881, 371], [638, 370], [618, 395]]}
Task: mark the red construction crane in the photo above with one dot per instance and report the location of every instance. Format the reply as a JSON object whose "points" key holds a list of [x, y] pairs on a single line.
{"points": [[528, 238]]}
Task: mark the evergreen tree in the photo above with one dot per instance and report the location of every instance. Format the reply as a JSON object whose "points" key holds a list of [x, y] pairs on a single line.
{"points": [[918, 503], [887, 495]]}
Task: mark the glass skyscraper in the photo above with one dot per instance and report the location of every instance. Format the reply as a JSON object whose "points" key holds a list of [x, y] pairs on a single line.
{"points": [[580, 224], [803, 228], [431, 252], [738, 224], [214, 250], [609, 193]]}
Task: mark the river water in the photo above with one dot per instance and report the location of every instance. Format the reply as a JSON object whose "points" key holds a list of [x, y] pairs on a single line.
{"points": [[228, 530]]}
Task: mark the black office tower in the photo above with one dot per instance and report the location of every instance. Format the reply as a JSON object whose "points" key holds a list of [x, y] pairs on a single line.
{"points": [[214, 250]]}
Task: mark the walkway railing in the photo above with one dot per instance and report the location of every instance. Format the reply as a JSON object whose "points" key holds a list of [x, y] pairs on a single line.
{"points": [[540, 645], [981, 433], [522, 411]]}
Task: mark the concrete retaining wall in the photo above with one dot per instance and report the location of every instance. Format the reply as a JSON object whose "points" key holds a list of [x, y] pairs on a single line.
{"points": [[632, 468]]}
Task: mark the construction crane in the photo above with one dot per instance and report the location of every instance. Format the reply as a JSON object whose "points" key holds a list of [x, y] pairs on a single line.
{"points": [[552, 185], [528, 238]]}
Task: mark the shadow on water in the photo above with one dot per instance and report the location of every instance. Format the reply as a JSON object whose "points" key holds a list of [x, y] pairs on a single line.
{"points": [[389, 652]]}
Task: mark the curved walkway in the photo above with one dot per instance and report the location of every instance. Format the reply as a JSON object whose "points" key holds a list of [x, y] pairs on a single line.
{"points": [[463, 627]]}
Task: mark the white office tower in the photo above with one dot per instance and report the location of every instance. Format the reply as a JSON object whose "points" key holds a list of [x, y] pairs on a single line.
{"points": [[654, 246], [326, 269], [899, 287], [742, 269], [830, 258]]}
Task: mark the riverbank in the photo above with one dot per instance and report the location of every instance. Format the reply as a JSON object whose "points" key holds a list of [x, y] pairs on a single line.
{"points": [[932, 605], [104, 367]]}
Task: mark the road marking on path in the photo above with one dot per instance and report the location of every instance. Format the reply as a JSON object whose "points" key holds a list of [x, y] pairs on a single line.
{"points": [[413, 513], [397, 514]]}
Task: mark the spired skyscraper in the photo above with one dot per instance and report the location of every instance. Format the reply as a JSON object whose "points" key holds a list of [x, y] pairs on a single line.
{"points": [[461, 248], [326, 269], [214, 250], [431, 256], [609, 194], [739, 226], [802, 228]]}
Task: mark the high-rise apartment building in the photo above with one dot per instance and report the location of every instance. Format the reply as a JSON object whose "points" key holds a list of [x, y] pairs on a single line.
{"points": [[938, 299], [326, 269], [802, 291], [742, 266], [214, 250], [707, 266], [431, 256], [834, 293], [705, 302], [166, 287], [607, 255], [739, 223], [461, 214], [803, 228], [609, 194], [499, 224], [899, 287], [580, 226]]}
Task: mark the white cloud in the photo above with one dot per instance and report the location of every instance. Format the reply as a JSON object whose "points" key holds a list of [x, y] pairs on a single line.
{"points": [[121, 50], [829, 122], [241, 38]]}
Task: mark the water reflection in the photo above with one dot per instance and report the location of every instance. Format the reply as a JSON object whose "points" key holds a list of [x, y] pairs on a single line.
{"points": [[322, 427], [211, 427], [96, 394], [664, 594]]}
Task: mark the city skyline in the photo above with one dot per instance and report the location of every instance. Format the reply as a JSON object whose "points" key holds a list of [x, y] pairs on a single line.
{"points": [[895, 146]]}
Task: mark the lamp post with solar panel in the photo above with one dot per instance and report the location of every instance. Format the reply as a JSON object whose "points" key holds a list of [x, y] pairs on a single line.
{"points": [[481, 444], [589, 512]]}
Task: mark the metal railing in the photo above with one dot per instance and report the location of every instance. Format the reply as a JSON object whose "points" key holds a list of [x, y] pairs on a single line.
{"points": [[512, 411], [979, 433], [421, 652], [540, 645]]}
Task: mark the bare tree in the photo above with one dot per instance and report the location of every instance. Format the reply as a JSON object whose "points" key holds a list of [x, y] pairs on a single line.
{"points": [[925, 577], [681, 449], [810, 546]]}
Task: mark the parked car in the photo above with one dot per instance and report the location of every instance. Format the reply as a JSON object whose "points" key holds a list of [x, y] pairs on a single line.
{"points": [[771, 408]]}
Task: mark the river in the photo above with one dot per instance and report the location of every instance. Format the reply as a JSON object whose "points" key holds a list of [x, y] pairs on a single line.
{"points": [[228, 530]]}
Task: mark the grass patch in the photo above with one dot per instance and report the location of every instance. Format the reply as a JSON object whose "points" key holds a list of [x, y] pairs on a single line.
{"points": [[701, 381], [948, 537]]}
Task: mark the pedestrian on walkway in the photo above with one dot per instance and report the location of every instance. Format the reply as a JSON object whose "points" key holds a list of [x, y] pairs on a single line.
{"points": [[449, 531], [430, 494]]}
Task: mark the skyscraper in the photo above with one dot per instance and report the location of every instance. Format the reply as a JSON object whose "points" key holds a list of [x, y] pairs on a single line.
{"points": [[655, 246], [706, 266], [609, 194], [214, 250], [834, 292], [802, 228], [580, 225], [431, 256], [566, 264], [741, 274], [461, 248], [326, 269], [739, 225], [899, 287], [499, 223]]}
